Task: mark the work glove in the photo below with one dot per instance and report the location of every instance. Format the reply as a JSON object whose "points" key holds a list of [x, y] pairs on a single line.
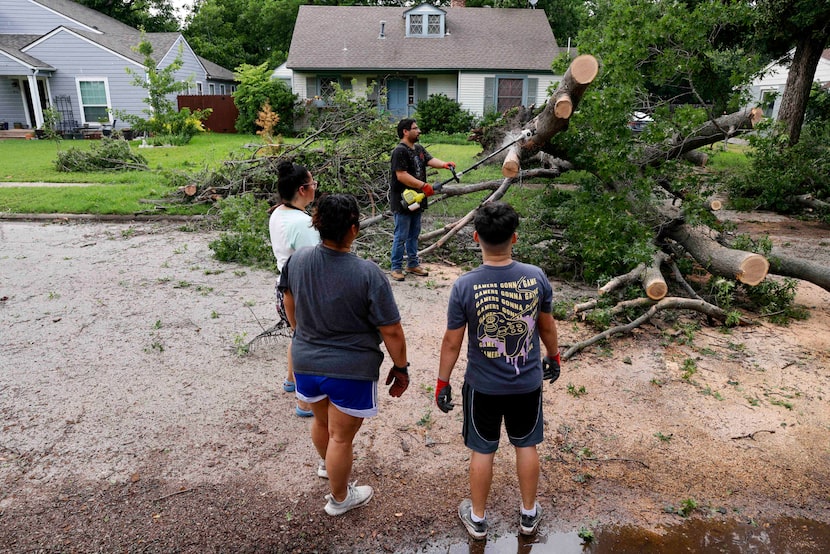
{"points": [[427, 190], [550, 367], [399, 379], [447, 165], [443, 396]]}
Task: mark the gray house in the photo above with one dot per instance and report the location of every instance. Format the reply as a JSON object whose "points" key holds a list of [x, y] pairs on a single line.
{"points": [[62, 54], [484, 58]]}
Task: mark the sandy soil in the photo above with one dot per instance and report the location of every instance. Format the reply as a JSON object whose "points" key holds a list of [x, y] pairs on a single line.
{"points": [[131, 423]]}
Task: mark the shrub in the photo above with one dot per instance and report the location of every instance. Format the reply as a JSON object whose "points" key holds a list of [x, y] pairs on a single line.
{"points": [[245, 240], [256, 88], [439, 113], [780, 172]]}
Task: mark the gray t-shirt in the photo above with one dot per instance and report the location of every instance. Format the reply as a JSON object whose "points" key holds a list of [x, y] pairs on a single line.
{"points": [[500, 306], [340, 301]]}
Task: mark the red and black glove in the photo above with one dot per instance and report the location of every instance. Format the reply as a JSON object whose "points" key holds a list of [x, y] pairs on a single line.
{"points": [[399, 379], [550, 367], [443, 396], [447, 165], [427, 190]]}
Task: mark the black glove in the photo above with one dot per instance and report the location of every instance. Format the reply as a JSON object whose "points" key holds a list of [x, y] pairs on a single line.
{"points": [[444, 398], [550, 368], [400, 376]]}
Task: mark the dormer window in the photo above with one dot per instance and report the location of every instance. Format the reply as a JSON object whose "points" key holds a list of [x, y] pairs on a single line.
{"points": [[425, 21]]}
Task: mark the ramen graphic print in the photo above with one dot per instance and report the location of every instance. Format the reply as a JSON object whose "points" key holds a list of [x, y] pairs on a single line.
{"points": [[506, 314]]}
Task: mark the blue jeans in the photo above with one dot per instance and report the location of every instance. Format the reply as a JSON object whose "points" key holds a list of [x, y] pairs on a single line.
{"points": [[407, 229]]}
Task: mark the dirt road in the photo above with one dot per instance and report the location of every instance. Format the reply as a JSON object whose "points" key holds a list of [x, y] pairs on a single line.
{"points": [[130, 422]]}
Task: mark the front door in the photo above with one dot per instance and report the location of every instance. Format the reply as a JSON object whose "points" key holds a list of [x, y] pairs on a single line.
{"points": [[397, 98]]}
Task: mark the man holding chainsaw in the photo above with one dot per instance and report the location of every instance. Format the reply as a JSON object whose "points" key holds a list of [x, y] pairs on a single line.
{"points": [[408, 193], [505, 308]]}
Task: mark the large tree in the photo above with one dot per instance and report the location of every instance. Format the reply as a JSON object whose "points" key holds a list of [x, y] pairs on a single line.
{"points": [[152, 16], [236, 32], [802, 25]]}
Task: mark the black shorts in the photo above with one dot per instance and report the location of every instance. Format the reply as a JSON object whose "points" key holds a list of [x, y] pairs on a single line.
{"points": [[483, 414], [280, 303]]}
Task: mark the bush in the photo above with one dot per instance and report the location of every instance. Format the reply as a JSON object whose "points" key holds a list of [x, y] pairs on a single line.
{"points": [[780, 172], [439, 113], [256, 89], [245, 220]]}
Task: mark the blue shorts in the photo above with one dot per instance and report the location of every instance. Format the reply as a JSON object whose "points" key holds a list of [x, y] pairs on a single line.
{"points": [[483, 414], [352, 397]]}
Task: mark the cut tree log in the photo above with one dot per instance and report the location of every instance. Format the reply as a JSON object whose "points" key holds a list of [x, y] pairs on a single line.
{"points": [[556, 115], [783, 264], [747, 267], [653, 281]]}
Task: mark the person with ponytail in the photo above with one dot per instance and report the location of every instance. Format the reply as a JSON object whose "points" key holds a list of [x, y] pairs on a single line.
{"points": [[290, 229]]}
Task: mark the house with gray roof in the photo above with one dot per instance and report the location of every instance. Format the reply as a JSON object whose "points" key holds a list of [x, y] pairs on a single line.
{"points": [[58, 53], [484, 58]]}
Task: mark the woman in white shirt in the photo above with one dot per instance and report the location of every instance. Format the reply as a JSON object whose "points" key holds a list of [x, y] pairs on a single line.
{"points": [[290, 229]]}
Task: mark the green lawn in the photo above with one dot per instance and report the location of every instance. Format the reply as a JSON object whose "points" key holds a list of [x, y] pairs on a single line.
{"points": [[122, 192]]}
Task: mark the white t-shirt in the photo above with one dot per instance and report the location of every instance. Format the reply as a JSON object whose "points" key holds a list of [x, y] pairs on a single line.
{"points": [[290, 230]]}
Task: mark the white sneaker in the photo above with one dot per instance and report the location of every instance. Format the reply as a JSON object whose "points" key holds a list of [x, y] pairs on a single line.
{"points": [[356, 496], [321, 470]]}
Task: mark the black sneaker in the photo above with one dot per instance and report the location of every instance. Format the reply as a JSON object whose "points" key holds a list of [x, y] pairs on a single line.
{"points": [[477, 530], [529, 524]]}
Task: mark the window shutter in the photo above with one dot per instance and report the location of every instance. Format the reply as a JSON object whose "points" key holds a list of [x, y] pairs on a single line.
{"points": [[373, 89], [532, 91], [311, 87], [421, 91], [489, 94]]}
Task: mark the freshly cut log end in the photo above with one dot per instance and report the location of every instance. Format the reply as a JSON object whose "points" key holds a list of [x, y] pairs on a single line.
{"points": [[656, 290], [511, 166], [190, 190], [753, 269], [584, 69], [563, 107], [715, 205]]}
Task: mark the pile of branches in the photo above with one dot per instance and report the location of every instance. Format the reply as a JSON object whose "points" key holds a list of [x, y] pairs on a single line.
{"points": [[108, 154]]}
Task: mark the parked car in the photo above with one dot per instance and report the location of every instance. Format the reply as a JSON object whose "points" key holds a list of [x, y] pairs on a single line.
{"points": [[638, 121]]}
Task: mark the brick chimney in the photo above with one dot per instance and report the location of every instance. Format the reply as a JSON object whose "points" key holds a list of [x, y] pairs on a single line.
{"points": [[458, 3]]}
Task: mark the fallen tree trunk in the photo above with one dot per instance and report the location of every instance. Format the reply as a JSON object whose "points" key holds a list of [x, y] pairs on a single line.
{"points": [[783, 264], [747, 267], [709, 133], [556, 115]]}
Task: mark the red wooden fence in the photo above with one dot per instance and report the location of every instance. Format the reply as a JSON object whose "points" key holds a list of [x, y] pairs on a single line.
{"points": [[224, 113]]}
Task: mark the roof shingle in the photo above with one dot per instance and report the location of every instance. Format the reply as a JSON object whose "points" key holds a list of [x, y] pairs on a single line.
{"points": [[348, 37]]}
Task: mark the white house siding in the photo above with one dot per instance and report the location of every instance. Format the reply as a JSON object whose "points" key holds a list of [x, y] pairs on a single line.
{"points": [[471, 88], [77, 57], [28, 18], [775, 80], [299, 84], [446, 84]]}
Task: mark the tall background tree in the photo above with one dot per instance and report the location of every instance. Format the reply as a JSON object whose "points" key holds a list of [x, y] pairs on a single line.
{"points": [[802, 25], [152, 16], [236, 32]]}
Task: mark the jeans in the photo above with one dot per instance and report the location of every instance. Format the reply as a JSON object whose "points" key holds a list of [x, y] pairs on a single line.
{"points": [[407, 229]]}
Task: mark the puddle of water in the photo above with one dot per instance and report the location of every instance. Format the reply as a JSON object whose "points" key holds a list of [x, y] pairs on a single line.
{"points": [[779, 536]]}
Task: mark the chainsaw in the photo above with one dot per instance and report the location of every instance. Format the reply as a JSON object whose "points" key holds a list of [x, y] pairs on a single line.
{"points": [[411, 199]]}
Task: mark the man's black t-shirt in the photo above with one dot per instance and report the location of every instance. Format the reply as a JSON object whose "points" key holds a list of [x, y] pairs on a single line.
{"points": [[413, 161]]}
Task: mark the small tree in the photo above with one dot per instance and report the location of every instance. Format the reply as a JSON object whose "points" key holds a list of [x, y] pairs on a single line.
{"points": [[162, 116], [256, 88]]}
